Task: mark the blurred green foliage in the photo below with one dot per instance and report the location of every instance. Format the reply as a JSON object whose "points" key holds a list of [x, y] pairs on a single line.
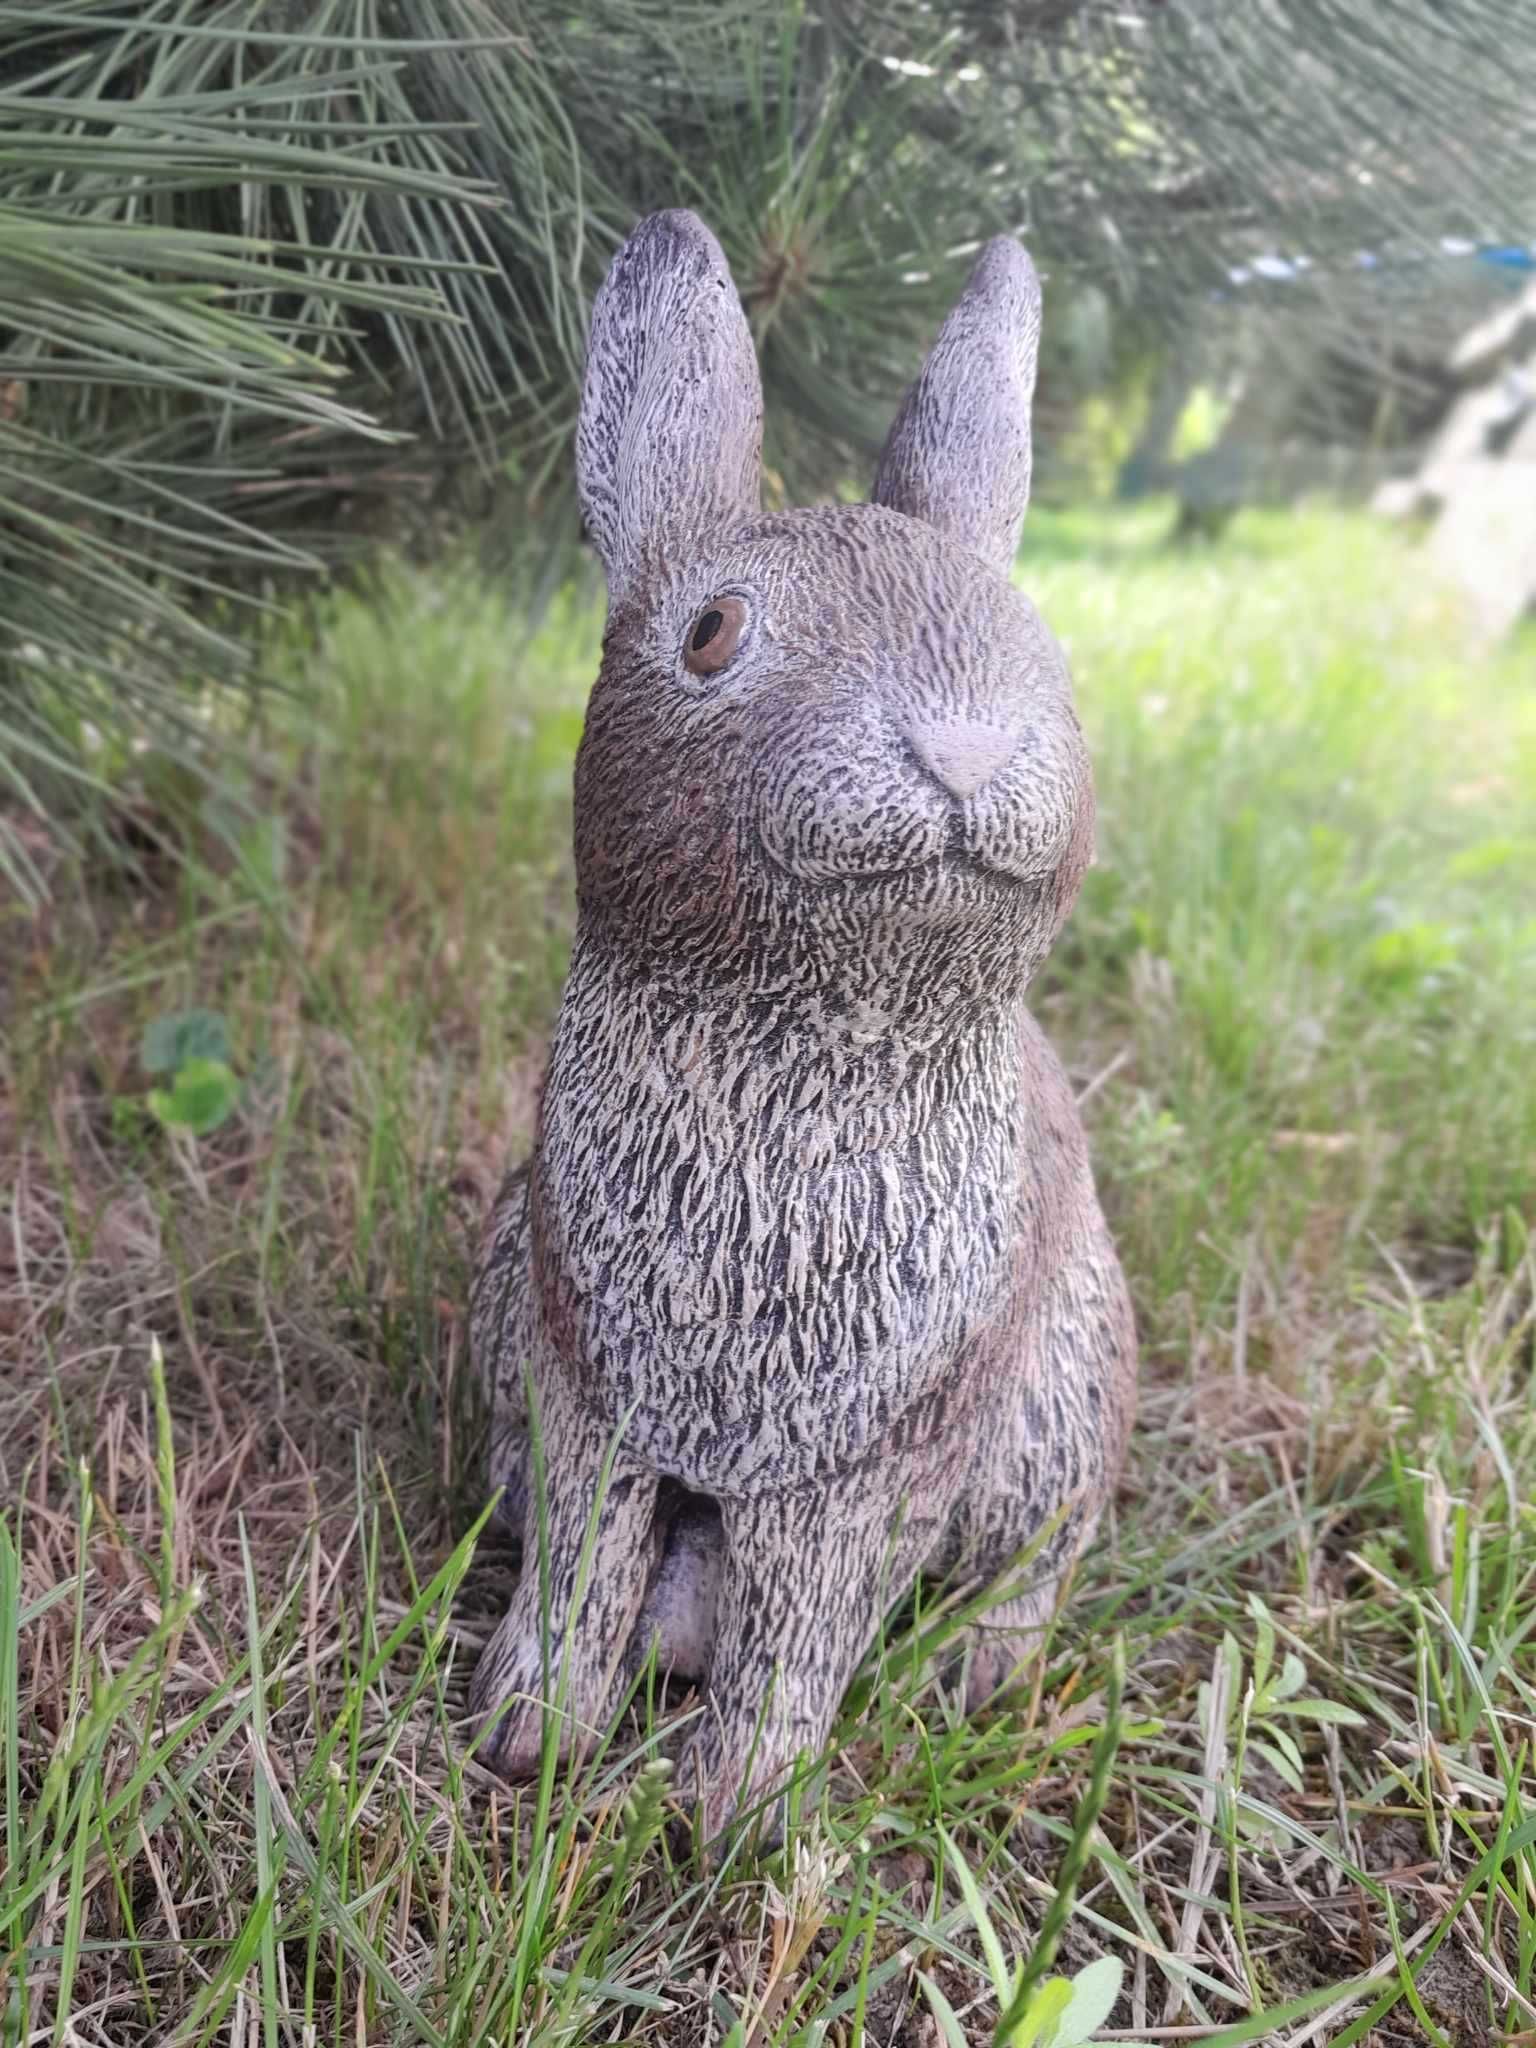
{"points": [[277, 275]]}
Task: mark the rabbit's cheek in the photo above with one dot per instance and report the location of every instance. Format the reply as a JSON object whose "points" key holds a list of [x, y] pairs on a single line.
{"points": [[843, 816], [657, 868], [1037, 818], [1024, 841]]}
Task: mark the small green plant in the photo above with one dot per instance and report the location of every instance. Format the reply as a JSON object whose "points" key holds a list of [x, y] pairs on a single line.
{"points": [[1036, 2010], [1257, 1715], [1411, 953], [1061, 2012], [191, 1048]]}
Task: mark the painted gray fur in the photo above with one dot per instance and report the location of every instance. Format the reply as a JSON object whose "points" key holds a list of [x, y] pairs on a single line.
{"points": [[810, 1203]]}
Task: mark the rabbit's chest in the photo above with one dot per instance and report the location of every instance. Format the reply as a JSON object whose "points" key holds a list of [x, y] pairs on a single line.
{"points": [[767, 1282]]}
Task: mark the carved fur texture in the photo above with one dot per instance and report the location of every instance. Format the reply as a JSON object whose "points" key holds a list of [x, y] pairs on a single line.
{"points": [[809, 1223]]}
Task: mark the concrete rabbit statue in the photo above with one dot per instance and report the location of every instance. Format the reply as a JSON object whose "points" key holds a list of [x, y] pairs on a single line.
{"points": [[809, 1223]]}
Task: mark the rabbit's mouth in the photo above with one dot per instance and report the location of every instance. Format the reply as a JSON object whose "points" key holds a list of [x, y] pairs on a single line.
{"points": [[954, 862], [861, 814], [960, 856]]}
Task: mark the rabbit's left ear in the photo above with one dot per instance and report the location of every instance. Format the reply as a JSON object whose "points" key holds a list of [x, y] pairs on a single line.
{"points": [[958, 456], [668, 448]]}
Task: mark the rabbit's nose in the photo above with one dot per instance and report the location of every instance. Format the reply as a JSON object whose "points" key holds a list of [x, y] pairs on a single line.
{"points": [[963, 754]]}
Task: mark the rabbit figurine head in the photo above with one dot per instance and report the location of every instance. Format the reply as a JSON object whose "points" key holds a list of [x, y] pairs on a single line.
{"points": [[806, 1274], [831, 751]]}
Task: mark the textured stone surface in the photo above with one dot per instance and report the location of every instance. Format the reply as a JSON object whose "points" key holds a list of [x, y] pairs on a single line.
{"points": [[809, 1221]]}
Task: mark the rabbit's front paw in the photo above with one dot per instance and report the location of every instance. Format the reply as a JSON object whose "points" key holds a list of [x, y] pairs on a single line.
{"points": [[506, 1701], [566, 1631], [725, 1792]]}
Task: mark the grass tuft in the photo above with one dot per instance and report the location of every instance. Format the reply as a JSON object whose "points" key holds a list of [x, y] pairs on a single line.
{"points": [[244, 1563]]}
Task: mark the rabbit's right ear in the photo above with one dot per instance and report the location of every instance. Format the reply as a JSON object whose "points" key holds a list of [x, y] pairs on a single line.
{"points": [[668, 448]]}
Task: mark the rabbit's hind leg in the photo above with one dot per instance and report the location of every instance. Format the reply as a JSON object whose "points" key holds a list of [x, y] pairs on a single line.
{"points": [[1051, 1468], [500, 1306]]}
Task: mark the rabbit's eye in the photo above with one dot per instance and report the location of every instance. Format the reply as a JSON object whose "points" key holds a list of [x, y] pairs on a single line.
{"points": [[715, 635]]}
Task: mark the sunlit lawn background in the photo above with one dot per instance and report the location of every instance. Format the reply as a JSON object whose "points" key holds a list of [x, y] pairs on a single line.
{"points": [[237, 1617]]}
